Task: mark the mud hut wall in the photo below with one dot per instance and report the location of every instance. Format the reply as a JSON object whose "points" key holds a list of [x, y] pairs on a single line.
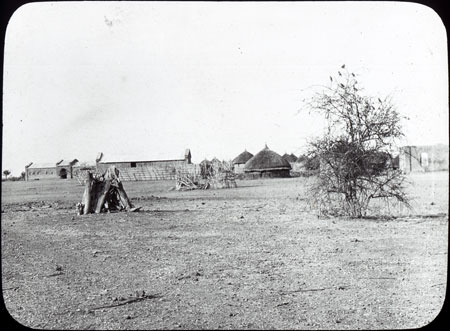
{"points": [[280, 173], [239, 168], [149, 170]]}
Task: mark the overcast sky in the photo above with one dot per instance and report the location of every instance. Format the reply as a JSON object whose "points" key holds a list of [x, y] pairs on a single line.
{"points": [[151, 79]]}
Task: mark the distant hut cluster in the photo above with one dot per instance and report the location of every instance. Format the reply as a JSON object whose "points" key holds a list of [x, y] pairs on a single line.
{"points": [[268, 163], [265, 163]]}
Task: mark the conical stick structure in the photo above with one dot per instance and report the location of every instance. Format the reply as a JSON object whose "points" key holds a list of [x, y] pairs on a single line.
{"points": [[104, 193]]}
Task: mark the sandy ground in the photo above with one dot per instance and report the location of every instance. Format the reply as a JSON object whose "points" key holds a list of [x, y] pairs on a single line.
{"points": [[247, 258]]}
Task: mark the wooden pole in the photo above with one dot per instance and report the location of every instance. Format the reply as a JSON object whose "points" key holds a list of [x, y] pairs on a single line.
{"points": [[123, 196], [101, 199], [86, 201]]}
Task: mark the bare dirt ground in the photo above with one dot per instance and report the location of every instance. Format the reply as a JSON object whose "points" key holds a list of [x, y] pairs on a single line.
{"points": [[247, 258]]}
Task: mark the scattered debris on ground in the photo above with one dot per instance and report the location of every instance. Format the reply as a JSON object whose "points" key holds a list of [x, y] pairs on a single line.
{"points": [[215, 174], [140, 296]]}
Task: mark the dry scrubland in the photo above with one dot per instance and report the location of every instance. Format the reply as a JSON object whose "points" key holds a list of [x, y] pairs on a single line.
{"points": [[251, 257]]}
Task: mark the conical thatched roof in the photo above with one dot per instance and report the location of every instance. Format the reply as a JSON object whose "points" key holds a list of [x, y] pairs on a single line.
{"points": [[294, 158], [291, 158], [243, 157], [266, 160]]}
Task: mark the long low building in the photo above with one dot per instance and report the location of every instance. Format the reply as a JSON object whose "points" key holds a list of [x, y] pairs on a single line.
{"points": [[161, 167], [131, 168], [62, 169], [37, 171], [423, 158]]}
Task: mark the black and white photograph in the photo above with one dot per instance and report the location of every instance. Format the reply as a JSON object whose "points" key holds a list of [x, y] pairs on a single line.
{"points": [[224, 165]]}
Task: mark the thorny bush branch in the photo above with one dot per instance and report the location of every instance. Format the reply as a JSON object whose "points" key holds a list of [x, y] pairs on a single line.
{"points": [[354, 154]]}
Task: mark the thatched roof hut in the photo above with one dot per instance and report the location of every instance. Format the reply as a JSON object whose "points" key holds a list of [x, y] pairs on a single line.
{"points": [[242, 158], [268, 163], [291, 158]]}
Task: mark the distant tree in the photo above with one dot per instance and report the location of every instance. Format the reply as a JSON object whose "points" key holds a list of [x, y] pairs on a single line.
{"points": [[6, 173], [353, 154]]}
